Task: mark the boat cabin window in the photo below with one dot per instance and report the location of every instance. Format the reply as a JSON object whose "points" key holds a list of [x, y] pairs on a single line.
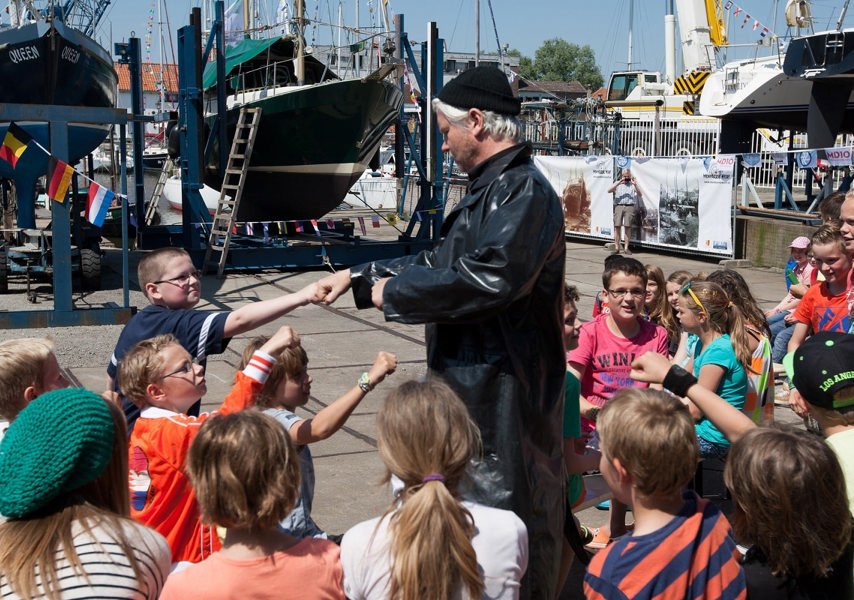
{"points": [[622, 85]]}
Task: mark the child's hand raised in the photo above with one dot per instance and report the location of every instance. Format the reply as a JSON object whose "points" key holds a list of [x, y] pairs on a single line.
{"points": [[385, 364], [285, 337]]}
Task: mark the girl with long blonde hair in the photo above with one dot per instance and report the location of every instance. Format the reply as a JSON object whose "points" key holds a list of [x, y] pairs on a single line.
{"points": [[721, 358], [658, 309], [430, 543], [64, 492]]}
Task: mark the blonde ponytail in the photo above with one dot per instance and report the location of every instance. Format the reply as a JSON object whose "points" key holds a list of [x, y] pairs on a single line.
{"points": [[431, 530]]}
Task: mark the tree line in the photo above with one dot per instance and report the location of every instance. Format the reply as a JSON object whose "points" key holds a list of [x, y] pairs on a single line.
{"points": [[559, 60]]}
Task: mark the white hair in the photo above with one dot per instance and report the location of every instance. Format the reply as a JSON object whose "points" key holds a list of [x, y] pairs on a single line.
{"points": [[498, 126]]}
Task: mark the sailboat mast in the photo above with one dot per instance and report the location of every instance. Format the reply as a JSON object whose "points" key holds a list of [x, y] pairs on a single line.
{"points": [[477, 33], [842, 16], [300, 42], [162, 77], [631, 25]]}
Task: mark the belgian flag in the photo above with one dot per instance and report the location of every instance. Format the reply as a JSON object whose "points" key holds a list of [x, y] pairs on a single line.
{"points": [[59, 177], [14, 144]]}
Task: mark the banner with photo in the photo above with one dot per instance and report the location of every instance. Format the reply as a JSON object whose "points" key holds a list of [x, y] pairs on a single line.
{"points": [[577, 180], [687, 202]]}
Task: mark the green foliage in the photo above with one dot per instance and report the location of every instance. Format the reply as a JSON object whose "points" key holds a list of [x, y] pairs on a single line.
{"points": [[559, 60]]}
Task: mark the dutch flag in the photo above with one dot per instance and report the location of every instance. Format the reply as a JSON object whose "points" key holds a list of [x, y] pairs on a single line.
{"points": [[98, 203]]}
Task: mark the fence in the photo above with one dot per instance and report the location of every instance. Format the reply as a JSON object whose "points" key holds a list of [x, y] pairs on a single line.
{"points": [[585, 132]]}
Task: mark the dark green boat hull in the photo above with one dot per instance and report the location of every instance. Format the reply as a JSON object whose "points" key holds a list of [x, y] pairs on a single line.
{"points": [[312, 144]]}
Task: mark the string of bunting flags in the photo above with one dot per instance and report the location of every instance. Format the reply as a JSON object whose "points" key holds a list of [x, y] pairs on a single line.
{"points": [[59, 174], [757, 26], [299, 226], [838, 156]]}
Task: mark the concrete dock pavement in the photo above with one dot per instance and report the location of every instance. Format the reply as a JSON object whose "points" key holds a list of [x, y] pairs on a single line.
{"points": [[341, 343]]}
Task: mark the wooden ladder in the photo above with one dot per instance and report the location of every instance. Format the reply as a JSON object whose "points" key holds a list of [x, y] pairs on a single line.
{"points": [[165, 173], [232, 188]]}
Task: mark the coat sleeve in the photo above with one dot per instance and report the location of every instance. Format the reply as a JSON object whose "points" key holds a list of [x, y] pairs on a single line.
{"points": [[517, 236], [363, 277]]}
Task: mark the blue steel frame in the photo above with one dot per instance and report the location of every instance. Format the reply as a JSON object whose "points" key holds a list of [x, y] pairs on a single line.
{"points": [[64, 314]]}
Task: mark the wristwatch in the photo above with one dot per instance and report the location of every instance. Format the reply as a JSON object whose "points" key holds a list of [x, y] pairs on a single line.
{"points": [[365, 383]]}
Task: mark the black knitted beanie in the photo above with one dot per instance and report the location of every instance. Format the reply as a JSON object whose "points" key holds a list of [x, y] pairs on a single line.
{"points": [[485, 88]]}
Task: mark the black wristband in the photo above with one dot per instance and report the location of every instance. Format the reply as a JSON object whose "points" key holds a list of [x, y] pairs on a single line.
{"points": [[678, 381]]}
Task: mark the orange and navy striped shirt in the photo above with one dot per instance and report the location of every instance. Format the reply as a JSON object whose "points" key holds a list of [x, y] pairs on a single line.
{"points": [[693, 556]]}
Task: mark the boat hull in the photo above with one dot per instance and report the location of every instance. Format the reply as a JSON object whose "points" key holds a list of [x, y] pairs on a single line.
{"points": [[52, 65], [154, 162], [759, 94], [375, 191], [43, 64], [313, 143], [174, 195]]}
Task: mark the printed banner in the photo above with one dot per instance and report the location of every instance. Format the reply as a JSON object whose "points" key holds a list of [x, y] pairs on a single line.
{"points": [[838, 157], [806, 159], [687, 202], [577, 180]]}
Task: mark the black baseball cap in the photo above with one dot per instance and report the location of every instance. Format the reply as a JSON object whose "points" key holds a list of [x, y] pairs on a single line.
{"points": [[821, 366]]}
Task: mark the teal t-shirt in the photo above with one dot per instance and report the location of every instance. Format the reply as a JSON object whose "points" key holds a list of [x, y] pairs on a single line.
{"points": [[572, 429], [733, 385]]}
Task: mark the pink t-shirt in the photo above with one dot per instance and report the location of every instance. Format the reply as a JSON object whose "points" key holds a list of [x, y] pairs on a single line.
{"points": [[309, 570], [607, 358]]}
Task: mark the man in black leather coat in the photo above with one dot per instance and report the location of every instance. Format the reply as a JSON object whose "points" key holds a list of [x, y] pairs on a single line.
{"points": [[491, 296]]}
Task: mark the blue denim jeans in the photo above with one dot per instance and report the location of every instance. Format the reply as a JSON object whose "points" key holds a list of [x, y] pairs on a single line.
{"points": [[781, 333]]}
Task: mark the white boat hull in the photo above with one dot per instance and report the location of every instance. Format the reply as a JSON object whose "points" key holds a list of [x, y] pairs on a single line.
{"points": [[759, 92], [173, 195], [377, 193]]}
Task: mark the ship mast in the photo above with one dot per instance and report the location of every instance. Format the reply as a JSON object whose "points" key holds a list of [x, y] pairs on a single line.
{"points": [[842, 16], [477, 33], [300, 65], [631, 25]]}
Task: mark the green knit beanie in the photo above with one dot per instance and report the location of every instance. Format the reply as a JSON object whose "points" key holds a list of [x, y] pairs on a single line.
{"points": [[61, 441]]}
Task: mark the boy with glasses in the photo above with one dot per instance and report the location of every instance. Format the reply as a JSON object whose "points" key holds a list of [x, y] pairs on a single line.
{"points": [[606, 348], [159, 376], [172, 284]]}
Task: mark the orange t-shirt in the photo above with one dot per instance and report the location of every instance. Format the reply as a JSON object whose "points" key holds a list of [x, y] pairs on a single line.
{"points": [[161, 496]]}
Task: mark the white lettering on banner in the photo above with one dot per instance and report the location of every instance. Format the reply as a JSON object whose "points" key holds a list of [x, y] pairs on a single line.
{"points": [[70, 54], [23, 53]]}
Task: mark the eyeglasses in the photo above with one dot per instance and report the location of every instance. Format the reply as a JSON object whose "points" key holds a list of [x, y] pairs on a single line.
{"points": [[620, 294], [188, 368], [181, 280], [686, 289]]}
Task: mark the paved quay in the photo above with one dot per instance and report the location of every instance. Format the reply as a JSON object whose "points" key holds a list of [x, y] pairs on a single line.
{"points": [[341, 343]]}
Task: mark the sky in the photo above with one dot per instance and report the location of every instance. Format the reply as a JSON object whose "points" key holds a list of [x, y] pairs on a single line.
{"points": [[520, 24]]}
